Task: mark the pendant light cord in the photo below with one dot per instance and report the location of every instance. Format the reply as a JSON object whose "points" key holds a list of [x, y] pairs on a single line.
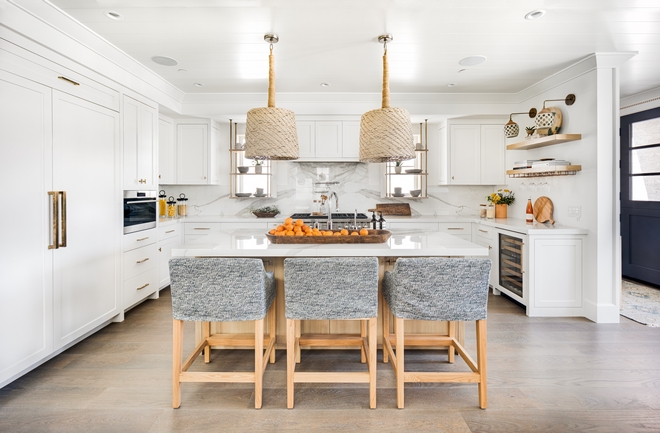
{"points": [[271, 78], [386, 79]]}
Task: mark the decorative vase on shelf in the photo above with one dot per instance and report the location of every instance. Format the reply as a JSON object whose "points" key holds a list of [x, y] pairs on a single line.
{"points": [[397, 169], [257, 169], [500, 210]]}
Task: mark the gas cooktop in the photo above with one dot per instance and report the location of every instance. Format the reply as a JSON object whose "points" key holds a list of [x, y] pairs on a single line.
{"points": [[336, 216]]}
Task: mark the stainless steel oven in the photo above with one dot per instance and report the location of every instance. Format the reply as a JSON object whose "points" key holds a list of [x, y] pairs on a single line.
{"points": [[140, 210]]}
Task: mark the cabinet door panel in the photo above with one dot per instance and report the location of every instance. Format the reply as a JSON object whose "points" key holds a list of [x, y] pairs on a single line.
{"points": [[130, 115], [465, 148], [351, 140], [306, 139], [493, 165], [166, 173], [147, 162], [85, 162], [328, 139], [192, 145], [557, 273], [26, 310]]}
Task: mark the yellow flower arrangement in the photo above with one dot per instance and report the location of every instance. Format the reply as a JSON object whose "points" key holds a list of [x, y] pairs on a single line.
{"points": [[501, 197]]}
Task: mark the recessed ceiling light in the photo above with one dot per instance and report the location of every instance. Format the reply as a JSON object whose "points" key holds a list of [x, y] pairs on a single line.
{"points": [[114, 15], [451, 84], [472, 61], [325, 84], [535, 14], [199, 85], [164, 60], [182, 70]]}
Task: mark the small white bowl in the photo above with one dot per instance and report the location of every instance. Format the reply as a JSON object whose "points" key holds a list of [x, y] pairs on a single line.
{"points": [[415, 192]]}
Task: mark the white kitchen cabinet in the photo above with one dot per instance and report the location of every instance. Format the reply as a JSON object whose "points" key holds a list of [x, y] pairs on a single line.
{"points": [[54, 141], [461, 230], [169, 236], [486, 237], [196, 231], [85, 165], [26, 288], [472, 154], [166, 151], [140, 265], [197, 152], [140, 146], [328, 140]]}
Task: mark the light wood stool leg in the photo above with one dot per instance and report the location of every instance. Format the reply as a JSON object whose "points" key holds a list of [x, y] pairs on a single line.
{"points": [[452, 334], [290, 360], [386, 329], [399, 333], [206, 333], [363, 334], [481, 363], [298, 326], [258, 362], [177, 353], [272, 327], [373, 366]]}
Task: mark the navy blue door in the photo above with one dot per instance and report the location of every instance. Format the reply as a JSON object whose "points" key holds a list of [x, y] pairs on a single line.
{"points": [[640, 196]]}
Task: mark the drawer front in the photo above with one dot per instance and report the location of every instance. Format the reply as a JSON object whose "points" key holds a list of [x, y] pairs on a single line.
{"points": [[140, 260], [140, 239], [201, 228], [485, 232], [169, 231], [456, 228], [409, 225], [140, 286]]}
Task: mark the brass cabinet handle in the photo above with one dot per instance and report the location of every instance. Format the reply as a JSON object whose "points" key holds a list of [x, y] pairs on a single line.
{"points": [[483, 231], [56, 218], [68, 80], [159, 176], [140, 288], [63, 195], [489, 247], [142, 239], [160, 249], [204, 177], [202, 228], [170, 231], [455, 228], [143, 260]]}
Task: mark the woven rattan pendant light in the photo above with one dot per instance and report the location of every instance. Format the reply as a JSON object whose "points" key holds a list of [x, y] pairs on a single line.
{"points": [[270, 133], [386, 133]]}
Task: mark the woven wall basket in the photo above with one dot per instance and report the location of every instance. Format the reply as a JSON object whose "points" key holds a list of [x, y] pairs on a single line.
{"points": [[271, 134], [386, 135]]}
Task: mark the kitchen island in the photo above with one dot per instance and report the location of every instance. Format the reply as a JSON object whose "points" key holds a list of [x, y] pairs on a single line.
{"points": [[402, 243]]}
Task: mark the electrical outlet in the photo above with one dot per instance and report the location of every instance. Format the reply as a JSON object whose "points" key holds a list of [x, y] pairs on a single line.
{"points": [[575, 211]]}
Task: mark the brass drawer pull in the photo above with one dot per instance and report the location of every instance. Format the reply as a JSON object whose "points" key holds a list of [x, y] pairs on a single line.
{"points": [[143, 260], [142, 239], [170, 231], [140, 288], [455, 228], [68, 80], [483, 231], [202, 228]]}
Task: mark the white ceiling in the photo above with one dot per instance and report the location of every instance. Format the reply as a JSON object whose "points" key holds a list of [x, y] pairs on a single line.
{"points": [[220, 42]]}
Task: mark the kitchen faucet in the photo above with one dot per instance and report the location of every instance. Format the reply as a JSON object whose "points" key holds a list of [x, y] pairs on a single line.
{"points": [[332, 193]]}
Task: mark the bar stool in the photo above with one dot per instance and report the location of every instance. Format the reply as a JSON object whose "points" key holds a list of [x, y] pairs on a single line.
{"points": [[344, 288], [436, 289], [221, 290]]}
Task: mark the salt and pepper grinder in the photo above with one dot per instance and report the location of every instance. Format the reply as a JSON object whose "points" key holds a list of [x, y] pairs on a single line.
{"points": [[374, 221], [382, 225]]}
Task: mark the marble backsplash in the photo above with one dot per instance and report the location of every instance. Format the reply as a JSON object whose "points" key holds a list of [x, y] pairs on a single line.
{"points": [[297, 184]]}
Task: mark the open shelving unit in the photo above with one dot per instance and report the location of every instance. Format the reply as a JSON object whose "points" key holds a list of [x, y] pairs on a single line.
{"points": [[535, 143], [246, 182], [419, 180]]}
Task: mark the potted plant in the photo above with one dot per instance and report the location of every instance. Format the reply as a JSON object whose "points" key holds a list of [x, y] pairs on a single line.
{"points": [[530, 131], [397, 167], [501, 199], [265, 211], [257, 166]]}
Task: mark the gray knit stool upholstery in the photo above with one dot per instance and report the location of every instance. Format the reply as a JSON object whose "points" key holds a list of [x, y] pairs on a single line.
{"points": [[222, 290], [343, 288], [436, 289]]}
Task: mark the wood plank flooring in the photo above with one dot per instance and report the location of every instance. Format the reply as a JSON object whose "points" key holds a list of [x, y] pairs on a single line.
{"points": [[544, 374]]}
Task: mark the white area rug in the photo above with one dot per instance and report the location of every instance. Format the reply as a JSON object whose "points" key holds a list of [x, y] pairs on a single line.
{"points": [[641, 303]]}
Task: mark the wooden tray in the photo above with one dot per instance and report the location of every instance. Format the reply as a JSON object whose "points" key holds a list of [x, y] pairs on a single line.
{"points": [[402, 209], [374, 237]]}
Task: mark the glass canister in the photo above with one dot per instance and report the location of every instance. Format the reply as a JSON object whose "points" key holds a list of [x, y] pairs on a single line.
{"points": [[162, 203], [182, 205], [482, 210], [171, 207], [490, 211]]}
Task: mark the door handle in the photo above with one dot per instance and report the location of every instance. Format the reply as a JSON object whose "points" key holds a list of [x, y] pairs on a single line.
{"points": [[59, 219], [143, 260]]}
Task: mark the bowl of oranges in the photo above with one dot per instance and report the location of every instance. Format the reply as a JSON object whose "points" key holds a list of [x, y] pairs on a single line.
{"points": [[297, 232]]}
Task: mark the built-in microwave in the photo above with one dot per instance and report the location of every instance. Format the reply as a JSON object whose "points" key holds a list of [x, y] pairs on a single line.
{"points": [[140, 210]]}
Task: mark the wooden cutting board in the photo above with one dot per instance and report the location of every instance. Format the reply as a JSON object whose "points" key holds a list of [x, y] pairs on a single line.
{"points": [[543, 209], [402, 209]]}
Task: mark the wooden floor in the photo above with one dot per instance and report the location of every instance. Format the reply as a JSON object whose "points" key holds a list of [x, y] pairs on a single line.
{"points": [[549, 375]]}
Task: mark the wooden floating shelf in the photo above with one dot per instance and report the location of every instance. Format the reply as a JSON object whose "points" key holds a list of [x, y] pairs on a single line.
{"points": [[534, 143], [561, 170]]}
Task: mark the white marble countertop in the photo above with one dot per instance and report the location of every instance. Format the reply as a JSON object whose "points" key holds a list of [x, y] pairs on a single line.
{"points": [[512, 224], [402, 243]]}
